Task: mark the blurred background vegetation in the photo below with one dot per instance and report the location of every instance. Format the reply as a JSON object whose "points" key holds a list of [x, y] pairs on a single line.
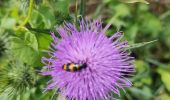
{"points": [[24, 34]]}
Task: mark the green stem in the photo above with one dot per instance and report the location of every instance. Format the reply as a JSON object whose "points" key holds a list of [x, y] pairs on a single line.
{"points": [[82, 7], [76, 11], [29, 14]]}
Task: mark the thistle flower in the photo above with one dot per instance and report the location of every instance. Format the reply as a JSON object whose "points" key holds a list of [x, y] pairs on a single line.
{"points": [[15, 78], [107, 62]]}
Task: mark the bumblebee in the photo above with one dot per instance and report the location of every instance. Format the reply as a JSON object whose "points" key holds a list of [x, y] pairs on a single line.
{"points": [[72, 67]]}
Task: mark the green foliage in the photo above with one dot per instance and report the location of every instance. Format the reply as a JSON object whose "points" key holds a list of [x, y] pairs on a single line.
{"points": [[25, 47], [165, 75], [21, 80]]}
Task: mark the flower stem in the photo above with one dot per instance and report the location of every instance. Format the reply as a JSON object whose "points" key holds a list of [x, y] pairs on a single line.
{"points": [[29, 15], [76, 11], [82, 7]]}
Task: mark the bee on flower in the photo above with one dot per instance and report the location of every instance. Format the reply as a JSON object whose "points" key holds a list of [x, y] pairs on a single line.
{"points": [[86, 64]]}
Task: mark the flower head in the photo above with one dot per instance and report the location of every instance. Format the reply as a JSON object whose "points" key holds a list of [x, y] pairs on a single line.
{"points": [[107, 62], [16, 78]]}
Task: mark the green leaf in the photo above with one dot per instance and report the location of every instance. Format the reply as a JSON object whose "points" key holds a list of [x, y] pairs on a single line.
{"points": [[8, 23], [159, 64], [165, 76], [121, 10], [151, 24], [61, 17], [44, 40], [145, 93], [165, 97], [141, 66], [137, 45], [134, 1], [146, 80], [131, 33], [142, 69], [47, 15], [37, 21], [31, 41], [61, 5], [25, 47]]}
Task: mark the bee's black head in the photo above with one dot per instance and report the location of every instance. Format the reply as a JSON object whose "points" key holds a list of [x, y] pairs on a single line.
{"points": [[84, 65]]}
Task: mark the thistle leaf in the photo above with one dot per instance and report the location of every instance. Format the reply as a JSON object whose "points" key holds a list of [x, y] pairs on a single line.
{"points": [[137, 45], [134, 1], [25, 48]]}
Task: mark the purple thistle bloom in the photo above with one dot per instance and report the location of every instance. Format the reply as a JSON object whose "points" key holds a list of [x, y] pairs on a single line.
{"points": [[108, 63]]}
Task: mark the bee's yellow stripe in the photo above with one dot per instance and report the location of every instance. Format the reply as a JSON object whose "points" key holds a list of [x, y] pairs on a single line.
{"points": [[71, 67], [65, 66]]}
